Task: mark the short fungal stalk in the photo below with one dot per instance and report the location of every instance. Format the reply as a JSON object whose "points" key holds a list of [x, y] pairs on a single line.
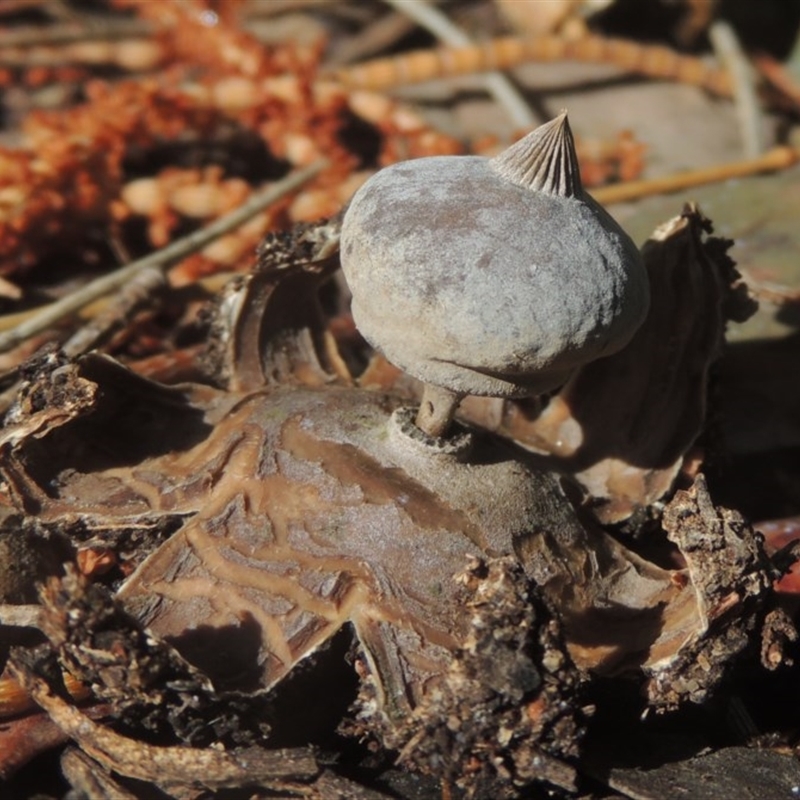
{"points": [[495, 277], [436, 409]]}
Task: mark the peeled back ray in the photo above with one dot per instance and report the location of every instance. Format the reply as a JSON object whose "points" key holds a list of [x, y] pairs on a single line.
{"points": [[491, 276]]}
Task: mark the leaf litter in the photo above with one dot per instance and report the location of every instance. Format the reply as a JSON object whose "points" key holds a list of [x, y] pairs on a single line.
{"points": [[260, 524]]}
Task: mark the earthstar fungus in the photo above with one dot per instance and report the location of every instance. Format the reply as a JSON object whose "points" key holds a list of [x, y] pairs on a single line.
{"points": [[277, 522], [494, 277]]}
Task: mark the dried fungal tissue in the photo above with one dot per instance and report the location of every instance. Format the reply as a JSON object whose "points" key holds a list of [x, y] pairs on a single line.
{"points": [[288, 534]]}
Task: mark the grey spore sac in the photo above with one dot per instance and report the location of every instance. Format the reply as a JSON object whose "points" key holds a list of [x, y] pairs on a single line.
{"points": [[490, 276]]}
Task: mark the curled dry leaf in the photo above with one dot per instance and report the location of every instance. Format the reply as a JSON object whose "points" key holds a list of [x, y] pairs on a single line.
{"points": [[306, 509]]}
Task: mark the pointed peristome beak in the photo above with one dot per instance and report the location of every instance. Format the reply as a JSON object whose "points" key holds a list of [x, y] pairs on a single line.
{"points": [[544, 161]]}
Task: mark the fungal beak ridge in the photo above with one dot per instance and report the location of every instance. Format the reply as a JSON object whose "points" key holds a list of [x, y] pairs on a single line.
{"points": [[543, 161]]}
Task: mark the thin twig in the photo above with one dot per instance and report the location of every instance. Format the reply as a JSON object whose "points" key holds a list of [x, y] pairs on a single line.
{"points": [[778, 79], [161, 259], [208, 283], [137, 292], [170, 766], [775, 159], [20, 616], [376, 36], [748, 110], [70, 33], [498, 84]]}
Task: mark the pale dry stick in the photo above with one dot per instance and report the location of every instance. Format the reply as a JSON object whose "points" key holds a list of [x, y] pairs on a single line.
{"points": [[69, 33], [775, 159], [653, 61], [20, 616], [208, 283], [161, 259], [376, 36], [138, 292], [730, 54], [498, 85]]}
